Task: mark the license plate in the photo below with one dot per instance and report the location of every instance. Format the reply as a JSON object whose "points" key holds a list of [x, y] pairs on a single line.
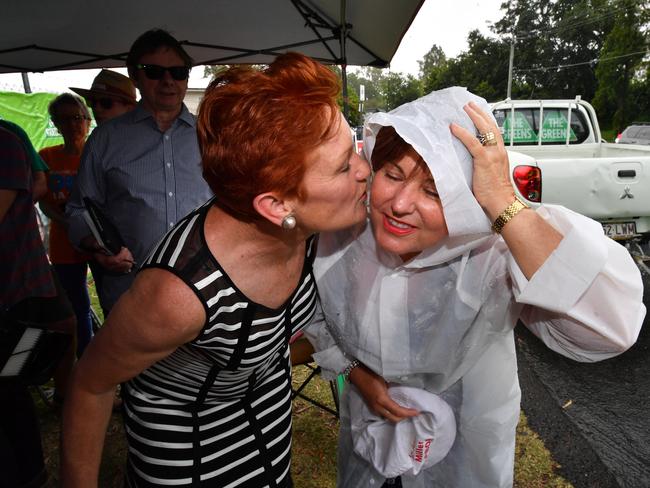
{"points": [[620, 230]]}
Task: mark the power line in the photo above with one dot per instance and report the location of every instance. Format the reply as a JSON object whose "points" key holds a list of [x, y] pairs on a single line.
{"points": [[587, 18], [593, 61]]}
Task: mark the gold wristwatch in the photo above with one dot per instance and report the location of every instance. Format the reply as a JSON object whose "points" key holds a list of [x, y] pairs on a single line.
{"points": [[511, 210]]}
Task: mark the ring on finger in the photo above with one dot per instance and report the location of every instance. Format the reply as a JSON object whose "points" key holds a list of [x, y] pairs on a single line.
{"points": [[487, 138]]}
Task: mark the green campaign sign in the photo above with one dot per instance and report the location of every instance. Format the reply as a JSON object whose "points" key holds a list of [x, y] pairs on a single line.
{"points": [[555, 127], [29, 110], [522, 132]]}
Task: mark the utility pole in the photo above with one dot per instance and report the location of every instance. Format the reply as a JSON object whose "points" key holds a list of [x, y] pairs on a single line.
{"points": [[26, 86], [510, 64], [344, 61], [362, 97]]}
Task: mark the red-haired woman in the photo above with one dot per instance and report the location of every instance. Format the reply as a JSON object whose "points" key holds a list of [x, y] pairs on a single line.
{"points": [[201, 338]]}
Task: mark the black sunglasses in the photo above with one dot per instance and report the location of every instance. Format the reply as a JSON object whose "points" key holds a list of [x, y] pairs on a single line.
{"points": [[155, 72], [105, 103]]}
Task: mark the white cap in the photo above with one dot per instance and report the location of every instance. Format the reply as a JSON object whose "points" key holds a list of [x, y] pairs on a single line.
{"points": [[408, 446]]}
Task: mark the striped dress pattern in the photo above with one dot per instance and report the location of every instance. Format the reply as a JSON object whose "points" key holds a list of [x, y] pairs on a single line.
{"points": [[217, 411]]}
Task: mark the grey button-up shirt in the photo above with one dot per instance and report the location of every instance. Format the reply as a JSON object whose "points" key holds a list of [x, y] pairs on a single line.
{"points": [[145, 180]]}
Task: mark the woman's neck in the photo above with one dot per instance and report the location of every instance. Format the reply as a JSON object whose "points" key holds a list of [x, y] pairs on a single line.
{"points": [[258, 242], [73, 148], [264, 261]]}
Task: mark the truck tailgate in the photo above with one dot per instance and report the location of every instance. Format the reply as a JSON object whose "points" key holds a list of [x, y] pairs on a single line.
{"points": [[601, 188]]}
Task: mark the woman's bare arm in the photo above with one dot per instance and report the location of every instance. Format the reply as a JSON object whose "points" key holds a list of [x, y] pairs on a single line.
{"points": [[153, 318]]}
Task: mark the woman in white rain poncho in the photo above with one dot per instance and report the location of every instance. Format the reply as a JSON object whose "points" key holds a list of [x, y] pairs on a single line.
{"points": [[426, 294]]}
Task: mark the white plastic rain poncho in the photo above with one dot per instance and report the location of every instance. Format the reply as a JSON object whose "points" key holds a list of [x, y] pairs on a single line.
{"points": [[444, 320]]}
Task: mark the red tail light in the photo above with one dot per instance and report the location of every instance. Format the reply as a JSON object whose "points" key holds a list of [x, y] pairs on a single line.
{"points": [[528, 180]]}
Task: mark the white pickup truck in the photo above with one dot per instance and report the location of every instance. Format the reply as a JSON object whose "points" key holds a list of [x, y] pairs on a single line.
{"points": [[569, 164]]}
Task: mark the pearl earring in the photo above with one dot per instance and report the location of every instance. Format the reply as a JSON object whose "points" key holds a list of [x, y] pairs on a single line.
{"points": [[288, 222]]}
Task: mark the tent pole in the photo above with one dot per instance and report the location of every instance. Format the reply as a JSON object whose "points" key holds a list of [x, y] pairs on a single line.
{"points": [[26, 86], [344, 62]]}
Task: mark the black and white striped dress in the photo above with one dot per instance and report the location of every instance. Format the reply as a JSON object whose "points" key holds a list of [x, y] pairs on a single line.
{"points": [[217, 412]]}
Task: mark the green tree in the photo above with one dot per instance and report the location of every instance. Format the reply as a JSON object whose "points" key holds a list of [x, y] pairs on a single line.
{"points": [[398, 89], [435, 59], [433, 67], [620, 68], [483, 69], [640, 93], [354, 116], [371, 79], [213, 71], [554, 44]]}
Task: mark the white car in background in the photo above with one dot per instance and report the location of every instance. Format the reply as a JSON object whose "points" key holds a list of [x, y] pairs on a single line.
{"points": [[557, 156]]}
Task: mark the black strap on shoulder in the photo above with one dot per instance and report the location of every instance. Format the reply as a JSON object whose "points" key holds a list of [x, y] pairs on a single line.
{"points": [[188, 272]]}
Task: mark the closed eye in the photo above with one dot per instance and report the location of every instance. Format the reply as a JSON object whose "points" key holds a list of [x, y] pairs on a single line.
{"points": [[345, 167], [393, 172]]}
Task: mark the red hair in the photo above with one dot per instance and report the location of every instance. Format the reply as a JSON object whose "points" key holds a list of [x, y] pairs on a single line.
{"points": [[256, 128]]}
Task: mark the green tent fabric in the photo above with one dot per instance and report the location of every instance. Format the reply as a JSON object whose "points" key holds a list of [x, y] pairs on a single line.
{"points": [[29, 111]]}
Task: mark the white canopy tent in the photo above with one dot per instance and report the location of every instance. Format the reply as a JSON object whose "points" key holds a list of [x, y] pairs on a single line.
{"points": [[43, 36]]}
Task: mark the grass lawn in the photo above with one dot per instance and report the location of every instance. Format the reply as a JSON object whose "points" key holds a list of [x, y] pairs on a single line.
{"points": [[314, 444]]}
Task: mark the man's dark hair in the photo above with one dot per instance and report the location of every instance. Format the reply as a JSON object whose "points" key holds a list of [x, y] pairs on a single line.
{"points": [[150, 42]]}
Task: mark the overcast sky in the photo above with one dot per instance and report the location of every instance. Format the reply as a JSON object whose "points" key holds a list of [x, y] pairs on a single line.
{"points": [[438, 22], [445, 23]]}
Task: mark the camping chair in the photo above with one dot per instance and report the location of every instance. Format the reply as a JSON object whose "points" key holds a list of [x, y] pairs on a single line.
{"points": [[30, 351], [96, 321], [301, 356]]}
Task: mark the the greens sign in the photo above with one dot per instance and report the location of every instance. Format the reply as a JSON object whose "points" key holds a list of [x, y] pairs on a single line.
{"points": [[29, 111], [518, 128], [554, 128], [523, 126]]}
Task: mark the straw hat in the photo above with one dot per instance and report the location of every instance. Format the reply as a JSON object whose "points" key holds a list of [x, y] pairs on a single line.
{"points": [[109, 83]]}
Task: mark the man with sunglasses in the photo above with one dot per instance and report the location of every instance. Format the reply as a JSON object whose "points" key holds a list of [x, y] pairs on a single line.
{"points": [[143, 168], [111, 94]]}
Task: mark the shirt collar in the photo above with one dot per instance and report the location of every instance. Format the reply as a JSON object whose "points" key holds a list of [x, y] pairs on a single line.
{"points": [[140, 113]]}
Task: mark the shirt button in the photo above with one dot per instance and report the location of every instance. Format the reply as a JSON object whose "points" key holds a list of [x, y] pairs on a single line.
{"points": [[166, 138], [171, 194], [169, 165], [171, 224]]}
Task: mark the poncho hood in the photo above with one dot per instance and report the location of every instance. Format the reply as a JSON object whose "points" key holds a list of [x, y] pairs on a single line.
{"points": [[425, 125]]}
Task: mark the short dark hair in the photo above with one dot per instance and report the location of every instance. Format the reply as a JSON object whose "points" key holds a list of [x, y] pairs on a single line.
{"points": [[390, 148], [66, 99], [150, 42]]}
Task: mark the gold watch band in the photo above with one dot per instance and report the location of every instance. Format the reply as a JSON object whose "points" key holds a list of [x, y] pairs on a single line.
{"points": [[511, 210]]}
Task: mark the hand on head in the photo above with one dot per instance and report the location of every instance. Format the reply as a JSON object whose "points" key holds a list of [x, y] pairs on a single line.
{"points": [[491, 182]]}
